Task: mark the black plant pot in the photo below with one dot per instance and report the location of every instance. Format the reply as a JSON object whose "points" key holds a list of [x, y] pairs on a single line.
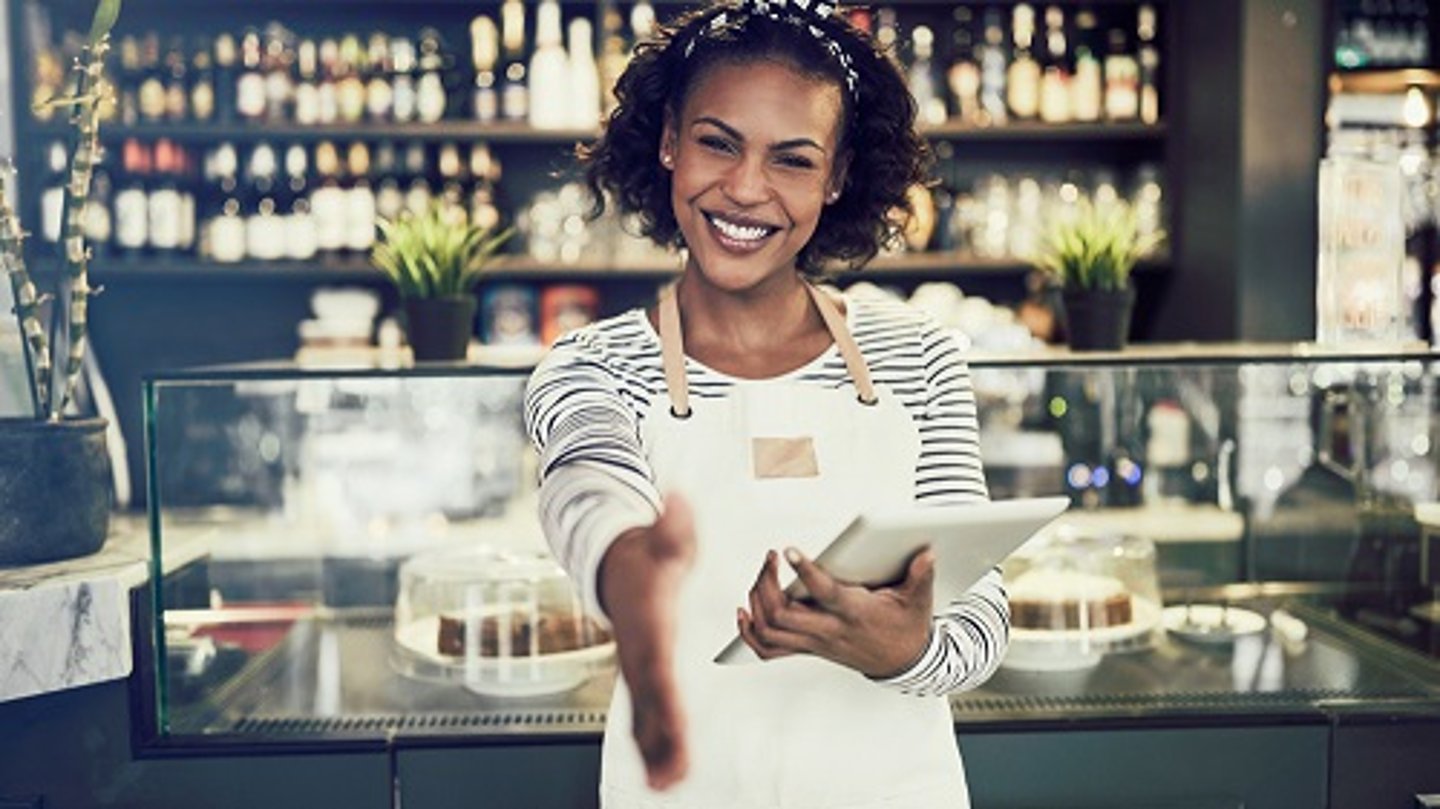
{"points": [[1097, 319], [439, 328], [55, 489]]}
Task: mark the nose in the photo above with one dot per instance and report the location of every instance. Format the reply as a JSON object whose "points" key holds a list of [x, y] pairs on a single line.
{"points": [[745, 181]]}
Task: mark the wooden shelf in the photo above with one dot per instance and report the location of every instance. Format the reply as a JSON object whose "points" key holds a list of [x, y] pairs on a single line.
{"points": [[1396, 80], [519, 268], [1017, 132]]}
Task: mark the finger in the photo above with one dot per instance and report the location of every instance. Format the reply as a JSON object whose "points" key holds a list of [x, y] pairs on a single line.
{"points": [[824, 590], [673, 535], [920, 576], [801, 618], [767, 586], [750, 634]]}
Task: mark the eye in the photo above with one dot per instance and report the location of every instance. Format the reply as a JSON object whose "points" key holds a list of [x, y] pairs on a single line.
{"points": [[795, 161], [716, 143]]}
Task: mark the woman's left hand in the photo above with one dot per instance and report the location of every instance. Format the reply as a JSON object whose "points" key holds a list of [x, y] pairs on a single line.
{"points": [[880, 632]]}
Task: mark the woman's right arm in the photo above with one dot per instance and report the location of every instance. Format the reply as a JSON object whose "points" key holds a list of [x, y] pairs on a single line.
{"points": [[625, 550]]}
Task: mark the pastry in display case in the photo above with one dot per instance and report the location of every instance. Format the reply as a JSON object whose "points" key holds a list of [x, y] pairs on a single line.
{"points": [[1076, 596], [500, 623]]}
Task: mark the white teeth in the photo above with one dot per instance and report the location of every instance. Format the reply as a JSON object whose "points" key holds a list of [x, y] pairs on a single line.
{"points": [[739, 232]]}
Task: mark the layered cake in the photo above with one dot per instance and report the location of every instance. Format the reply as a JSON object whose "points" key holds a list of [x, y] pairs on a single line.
{"points": [[1067, 599], [546, 634]]}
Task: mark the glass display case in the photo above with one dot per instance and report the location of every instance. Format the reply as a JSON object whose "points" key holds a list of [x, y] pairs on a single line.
{"points": [[346, 556]]}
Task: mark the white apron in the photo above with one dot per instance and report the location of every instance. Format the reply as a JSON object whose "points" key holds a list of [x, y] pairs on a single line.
{"points": [[798, 731]]}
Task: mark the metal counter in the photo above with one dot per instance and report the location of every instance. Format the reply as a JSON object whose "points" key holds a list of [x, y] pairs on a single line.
{"points": [[331, 680]]}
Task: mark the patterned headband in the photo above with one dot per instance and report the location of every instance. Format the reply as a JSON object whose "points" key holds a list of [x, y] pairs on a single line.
{"points": [[803, 14]]}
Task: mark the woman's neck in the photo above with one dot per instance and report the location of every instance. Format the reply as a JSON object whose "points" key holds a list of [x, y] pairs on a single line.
{"points": [[762, 331]]}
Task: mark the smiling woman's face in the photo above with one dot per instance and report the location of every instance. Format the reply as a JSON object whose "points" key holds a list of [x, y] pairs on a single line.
{"points": [[755, 159]]}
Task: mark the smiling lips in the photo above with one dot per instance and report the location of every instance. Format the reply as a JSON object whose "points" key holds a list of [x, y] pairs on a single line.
{"points": [[738, 234]]}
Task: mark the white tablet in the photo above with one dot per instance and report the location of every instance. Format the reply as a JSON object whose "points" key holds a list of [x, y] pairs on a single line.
{"points": [[969, 540]]}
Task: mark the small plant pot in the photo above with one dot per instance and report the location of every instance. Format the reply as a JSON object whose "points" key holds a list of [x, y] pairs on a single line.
{"points": [[1098, 319], [439, 329], [55, 490]]}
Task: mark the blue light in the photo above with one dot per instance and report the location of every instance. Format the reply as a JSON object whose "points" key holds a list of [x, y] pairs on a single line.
{"points": [[1129, 471], [1100, 478]]}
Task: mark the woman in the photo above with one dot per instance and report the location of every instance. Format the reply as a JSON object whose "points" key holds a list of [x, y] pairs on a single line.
{"points": [[767, 139]]}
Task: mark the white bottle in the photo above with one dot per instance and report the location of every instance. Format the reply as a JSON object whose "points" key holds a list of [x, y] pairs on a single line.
{"points": [[584, 76], [549, 66]]}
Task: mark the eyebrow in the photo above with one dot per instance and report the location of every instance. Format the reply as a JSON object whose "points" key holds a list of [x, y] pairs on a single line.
{"points": [[793, 143]]}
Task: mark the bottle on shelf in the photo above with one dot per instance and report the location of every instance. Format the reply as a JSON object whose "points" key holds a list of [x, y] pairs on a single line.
{"points": [[993, 70], [127, 84], [250, 83], [643, 22], [294, 202], [202, 83], [389, 199], [549, 99], [177, 95], [452, 183], [328, 200], [1022, 79], [1087, 89], [614, 56], [226, 80], [184, 170], [418, 193], [359, 200], [430, 95], [264, 228], [1122, 80], [132, 215], [921, 77], [223, 232], [1149, 63], [307, 84], [52, 199], [163, 202], [584, 74], [379, 94], [1055, 76], [403, 96], [97, 222], [484, 54], [278, 67], [963, 75], [349, 87], [484, 174], [514, 89], [327, 92], [151, 94]]}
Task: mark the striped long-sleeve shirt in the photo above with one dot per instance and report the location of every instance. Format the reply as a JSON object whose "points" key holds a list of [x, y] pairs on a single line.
{"points": [[585, 404]]}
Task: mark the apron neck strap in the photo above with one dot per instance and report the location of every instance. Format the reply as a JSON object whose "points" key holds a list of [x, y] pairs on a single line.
{"points": [[672, 349]]}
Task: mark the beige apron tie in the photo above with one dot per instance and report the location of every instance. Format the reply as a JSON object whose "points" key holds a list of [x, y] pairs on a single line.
{"points": [[672, 349]]}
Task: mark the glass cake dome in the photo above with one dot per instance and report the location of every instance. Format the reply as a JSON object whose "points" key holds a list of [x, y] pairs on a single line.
{"points": [[1076, 596], [500, 623]]}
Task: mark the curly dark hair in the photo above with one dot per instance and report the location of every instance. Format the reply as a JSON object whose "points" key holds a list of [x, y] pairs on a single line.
{"points": [[888, 155]]}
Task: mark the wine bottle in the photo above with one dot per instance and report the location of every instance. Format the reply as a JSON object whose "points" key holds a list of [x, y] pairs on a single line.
{"points": [[359, 200], [484, 53], [152, 80], [514, 92], [417, 194], [430, 95], [389, 199], [226, 80], [129, 81], [327, 93], [307, 85], [224, 229], [163, 206], [963, 75], [549, 102], [1087, 93], [132, 215], [404, 99], [328, 201], [921, 77], [52, 199], [1149, 64], [264, 229], [584, 76], [1122, 80], [379, 95], [349, 88], [1022, 80], [1055, 76], [177, 95], [993, 72], [250, 84], [278, 66], [614, 56], [295, 206], [96, 220], [202, 83]]}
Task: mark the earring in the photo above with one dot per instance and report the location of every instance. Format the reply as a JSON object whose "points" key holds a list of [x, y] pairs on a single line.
{"points": [[666, 160], [832, 197]]}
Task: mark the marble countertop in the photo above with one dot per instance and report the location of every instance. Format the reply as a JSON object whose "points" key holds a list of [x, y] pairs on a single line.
{"points": [[67, 624]]}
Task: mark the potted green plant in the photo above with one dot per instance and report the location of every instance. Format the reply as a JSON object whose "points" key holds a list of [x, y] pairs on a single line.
{"points": [[435, 261], [1089, 258], [55, 482]]}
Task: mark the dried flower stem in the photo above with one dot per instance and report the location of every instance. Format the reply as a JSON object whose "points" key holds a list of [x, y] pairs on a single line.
{"points": [[27, 300]]}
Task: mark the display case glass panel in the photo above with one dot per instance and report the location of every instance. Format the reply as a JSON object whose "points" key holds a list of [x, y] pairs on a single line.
{"points": [[355, 556]]}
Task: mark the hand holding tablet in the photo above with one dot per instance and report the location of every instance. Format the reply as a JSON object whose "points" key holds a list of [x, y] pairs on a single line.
{"points": [[968, 542]]}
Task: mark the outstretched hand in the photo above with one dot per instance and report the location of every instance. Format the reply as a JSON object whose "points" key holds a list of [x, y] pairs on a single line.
{"points": [[640, 580], [880, 632]]}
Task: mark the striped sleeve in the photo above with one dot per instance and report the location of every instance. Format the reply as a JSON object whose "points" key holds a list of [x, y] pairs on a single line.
{"points": [[595, 483], [969, 636]]}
